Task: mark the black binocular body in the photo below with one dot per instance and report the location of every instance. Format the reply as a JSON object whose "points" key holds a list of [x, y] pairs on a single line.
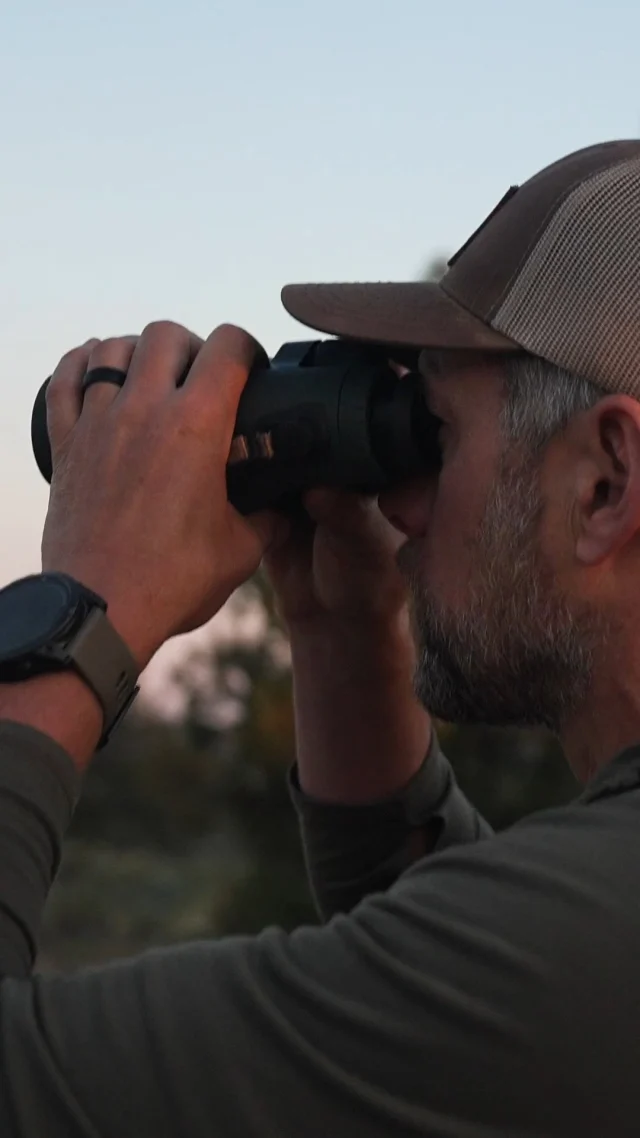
{"points": [[321, 413]]}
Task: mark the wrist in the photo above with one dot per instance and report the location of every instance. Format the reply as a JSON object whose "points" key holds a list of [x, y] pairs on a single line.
{"points": [[61, 705], [140, 641], [357, 632], [361, 734], [376, 653], [129, 624]]}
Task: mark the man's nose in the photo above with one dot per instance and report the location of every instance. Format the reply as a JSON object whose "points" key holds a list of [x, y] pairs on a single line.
{"points": [[408, 506]]}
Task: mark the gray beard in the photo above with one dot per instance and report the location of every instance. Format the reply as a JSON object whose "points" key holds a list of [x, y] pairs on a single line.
{"points": [[521, 652]]}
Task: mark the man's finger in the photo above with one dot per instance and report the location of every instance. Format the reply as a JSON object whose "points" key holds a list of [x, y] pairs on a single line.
{"points": [[217, 378], [116, 353], [341, 510], [162, 356], [354, 516], [64, 393]]}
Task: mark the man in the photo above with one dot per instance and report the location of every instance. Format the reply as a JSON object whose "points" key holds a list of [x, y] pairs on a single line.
{"points": [[464, 984]]}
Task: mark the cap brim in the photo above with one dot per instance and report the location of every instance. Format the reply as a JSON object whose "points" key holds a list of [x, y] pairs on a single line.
{"points": [[416, 314]]}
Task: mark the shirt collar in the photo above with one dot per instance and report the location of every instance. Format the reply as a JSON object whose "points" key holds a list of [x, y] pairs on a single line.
{"points": [[622, 773]]}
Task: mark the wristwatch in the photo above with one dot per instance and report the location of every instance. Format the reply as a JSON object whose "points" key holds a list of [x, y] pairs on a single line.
{"points": [[49, 622]]}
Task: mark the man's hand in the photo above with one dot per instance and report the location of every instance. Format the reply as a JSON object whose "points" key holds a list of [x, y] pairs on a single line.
{"points": [[361, 734], [138, 510], [340, 566]]}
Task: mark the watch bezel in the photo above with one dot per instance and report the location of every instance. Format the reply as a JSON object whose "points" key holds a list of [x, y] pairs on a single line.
{"points": [[79, 638], [48, 641]]}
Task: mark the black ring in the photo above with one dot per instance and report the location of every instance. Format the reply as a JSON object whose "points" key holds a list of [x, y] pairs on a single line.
{"points": [[104, 375]]}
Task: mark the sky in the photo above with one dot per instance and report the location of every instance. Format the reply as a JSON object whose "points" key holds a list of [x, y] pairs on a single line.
{"points": [[185, 161]]}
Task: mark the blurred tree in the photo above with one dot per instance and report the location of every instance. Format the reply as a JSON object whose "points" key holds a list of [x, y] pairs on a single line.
{"points": [[260, 748], [435, 268]]}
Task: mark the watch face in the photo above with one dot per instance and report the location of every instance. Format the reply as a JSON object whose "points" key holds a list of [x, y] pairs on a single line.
{"points": [[33, 611]]}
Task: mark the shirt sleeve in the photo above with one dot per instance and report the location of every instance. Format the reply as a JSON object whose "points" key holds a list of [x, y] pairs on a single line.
{"points": [[353, 851], [39, 788], [492, 992]]}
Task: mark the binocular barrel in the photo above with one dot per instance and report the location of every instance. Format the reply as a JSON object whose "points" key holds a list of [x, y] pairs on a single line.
{"points": [[321, 413]]}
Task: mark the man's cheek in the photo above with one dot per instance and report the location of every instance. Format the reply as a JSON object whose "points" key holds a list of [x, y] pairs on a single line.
{"points": [[446, 559]]}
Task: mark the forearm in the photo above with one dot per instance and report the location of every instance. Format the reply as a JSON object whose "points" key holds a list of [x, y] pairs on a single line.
{"points": [[373, 791], [39, 786], [352, 851], [50, 726], [361, 734], [60, 705]]}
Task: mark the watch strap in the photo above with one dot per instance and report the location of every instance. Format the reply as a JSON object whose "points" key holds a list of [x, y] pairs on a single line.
{"points": [[103, 660]]}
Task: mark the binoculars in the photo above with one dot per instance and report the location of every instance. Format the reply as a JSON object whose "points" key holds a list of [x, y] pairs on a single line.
{"points": [[321, 413]]}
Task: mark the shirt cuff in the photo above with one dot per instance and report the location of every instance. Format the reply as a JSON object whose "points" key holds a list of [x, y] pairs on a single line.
{"points": [[352, 851]]}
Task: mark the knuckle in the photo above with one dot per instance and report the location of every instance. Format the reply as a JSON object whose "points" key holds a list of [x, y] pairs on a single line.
{"points": [[190, 407], [104, 353], [228, 329], [164, 330], [134, 426], [131, 415], [53, 388], [235, 347], [116, 351], [65, 375], [130, 407], [70, 359], [106, 345], [195, 415], [233, 338]]}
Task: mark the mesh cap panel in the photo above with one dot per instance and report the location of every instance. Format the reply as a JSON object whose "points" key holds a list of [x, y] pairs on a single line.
{"points": [[576, 301]]}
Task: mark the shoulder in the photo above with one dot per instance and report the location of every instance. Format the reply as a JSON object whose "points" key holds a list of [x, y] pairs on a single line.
{"points": [[569, 867], [493, 989]]}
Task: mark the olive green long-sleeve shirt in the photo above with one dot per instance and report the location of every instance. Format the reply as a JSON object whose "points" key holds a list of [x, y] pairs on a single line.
{"points": [[490, 989]]}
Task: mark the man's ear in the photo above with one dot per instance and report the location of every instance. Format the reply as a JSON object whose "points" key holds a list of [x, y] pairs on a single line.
{"points": [[608, 484]]}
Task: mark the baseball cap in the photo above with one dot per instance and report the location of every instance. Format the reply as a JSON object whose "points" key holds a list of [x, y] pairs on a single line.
{"points": [[554, 270]]}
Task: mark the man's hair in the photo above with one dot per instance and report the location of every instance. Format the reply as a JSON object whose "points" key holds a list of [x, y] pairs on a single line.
{"points": [[540, 399]]}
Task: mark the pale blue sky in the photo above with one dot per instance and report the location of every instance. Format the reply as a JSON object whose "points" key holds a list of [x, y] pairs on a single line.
{"points": [[184, 161]]}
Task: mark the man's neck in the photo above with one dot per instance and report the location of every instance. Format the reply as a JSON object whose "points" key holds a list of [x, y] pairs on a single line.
{"points": [[608, 723]]}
